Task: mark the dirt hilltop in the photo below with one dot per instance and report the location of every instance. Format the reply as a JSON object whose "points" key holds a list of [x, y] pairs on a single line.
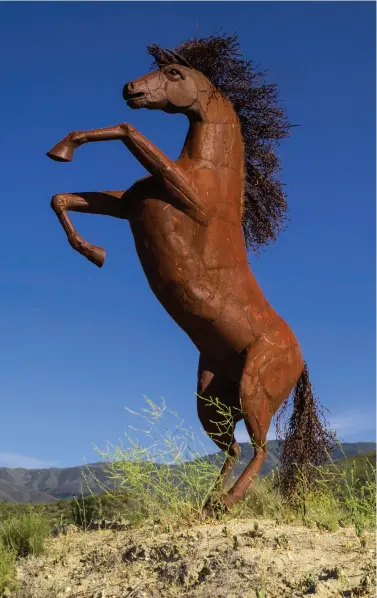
{"points": [[241, 558]]}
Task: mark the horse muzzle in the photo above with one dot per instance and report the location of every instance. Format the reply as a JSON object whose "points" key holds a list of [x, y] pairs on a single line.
{"points": [[131, 93]]}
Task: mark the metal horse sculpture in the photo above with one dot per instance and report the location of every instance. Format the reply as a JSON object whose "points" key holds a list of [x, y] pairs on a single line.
{"points": [[186, 218]]}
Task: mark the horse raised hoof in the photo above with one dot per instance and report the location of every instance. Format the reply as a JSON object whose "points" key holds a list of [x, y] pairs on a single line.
{"points": [[93, 253], [96, 255], [62, 152]]}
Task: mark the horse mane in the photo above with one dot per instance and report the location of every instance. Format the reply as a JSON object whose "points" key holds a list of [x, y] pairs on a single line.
{"points": [[263, 124]]}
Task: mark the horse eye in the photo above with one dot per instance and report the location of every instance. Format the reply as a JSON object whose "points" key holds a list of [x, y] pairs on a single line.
{"points": [[174, 72]]}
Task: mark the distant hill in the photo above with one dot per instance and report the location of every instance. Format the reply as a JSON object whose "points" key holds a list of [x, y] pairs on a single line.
{"points": [[14, 492], [358, 464], [47, 485]]}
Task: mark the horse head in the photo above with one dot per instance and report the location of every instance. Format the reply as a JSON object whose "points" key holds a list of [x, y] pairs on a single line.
{"points": [[175, 87]]}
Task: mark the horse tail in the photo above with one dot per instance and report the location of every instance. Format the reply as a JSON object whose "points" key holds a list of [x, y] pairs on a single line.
{"points": [[306, 438]]}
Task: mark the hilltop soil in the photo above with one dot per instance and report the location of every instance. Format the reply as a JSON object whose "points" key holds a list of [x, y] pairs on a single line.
{"points": [[233, 559]]}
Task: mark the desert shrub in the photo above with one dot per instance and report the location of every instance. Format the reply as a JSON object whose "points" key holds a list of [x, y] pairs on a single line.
{"points": [[24, 535], [344, 494], [354, 485], [84, 510], [263, 500], [56, 513], [166, 481], [8, 577], [8, 509], [109, 506]]}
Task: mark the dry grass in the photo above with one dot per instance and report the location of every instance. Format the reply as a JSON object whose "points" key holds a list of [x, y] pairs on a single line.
{"points": [[319, 543]]}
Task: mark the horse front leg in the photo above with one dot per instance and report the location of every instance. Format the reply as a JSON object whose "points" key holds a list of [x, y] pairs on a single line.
{"points": [[107, 203], [63, 151], [183, 191]]}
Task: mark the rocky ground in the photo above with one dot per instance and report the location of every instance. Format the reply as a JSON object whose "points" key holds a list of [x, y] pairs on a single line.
{"points": [[235, 559]]}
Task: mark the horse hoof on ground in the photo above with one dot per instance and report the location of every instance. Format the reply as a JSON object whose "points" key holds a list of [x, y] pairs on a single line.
{"points": [[227, 502], [213, 510]]}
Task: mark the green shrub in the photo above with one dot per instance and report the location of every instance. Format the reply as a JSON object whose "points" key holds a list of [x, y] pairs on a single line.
{"points": [[57, 513], [169, 480], [8, 578], [84, 510], [109, 506], [344, 494], [346, 490], [24, 535], [166, 482]]}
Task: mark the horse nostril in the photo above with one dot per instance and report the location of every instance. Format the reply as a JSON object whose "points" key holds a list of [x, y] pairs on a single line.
{"points": [[127, 89]]}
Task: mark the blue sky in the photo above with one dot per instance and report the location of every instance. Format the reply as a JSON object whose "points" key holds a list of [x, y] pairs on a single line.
{"points": [[79, 344]]}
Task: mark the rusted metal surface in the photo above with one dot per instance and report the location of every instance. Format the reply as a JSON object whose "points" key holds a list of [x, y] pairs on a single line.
{"points": [[186, 220]]}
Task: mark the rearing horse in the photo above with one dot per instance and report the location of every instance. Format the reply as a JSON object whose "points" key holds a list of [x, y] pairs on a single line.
{"points": [[186, 219]]}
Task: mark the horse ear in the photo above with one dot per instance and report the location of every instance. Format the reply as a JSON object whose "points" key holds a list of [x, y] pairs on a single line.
{"points": [[160, 55], [179, 59], [163, 57]]}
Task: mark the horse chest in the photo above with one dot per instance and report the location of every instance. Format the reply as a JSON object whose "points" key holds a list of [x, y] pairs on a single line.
{"points": [[166, 240]]}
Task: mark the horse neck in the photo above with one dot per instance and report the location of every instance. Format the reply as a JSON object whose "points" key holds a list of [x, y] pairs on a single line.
{"points": [[215, 139]]}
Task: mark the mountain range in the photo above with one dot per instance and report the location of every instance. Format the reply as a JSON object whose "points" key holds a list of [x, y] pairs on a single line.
{"points": [[18, 485]]}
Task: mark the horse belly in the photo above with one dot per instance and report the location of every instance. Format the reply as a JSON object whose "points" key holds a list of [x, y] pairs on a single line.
{"points": [[201, 300], [186, 290], [217, 324]]}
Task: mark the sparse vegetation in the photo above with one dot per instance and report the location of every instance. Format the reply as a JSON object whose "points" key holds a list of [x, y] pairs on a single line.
{"points": [[161, 492], [24, 535], [309, 584], [168, 481], [8, 581], [344, 494]]}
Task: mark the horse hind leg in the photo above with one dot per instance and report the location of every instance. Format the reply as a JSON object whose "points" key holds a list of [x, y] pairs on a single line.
{"points": [[226, 441], [219, 422], [108, 203], [269, 374]]}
